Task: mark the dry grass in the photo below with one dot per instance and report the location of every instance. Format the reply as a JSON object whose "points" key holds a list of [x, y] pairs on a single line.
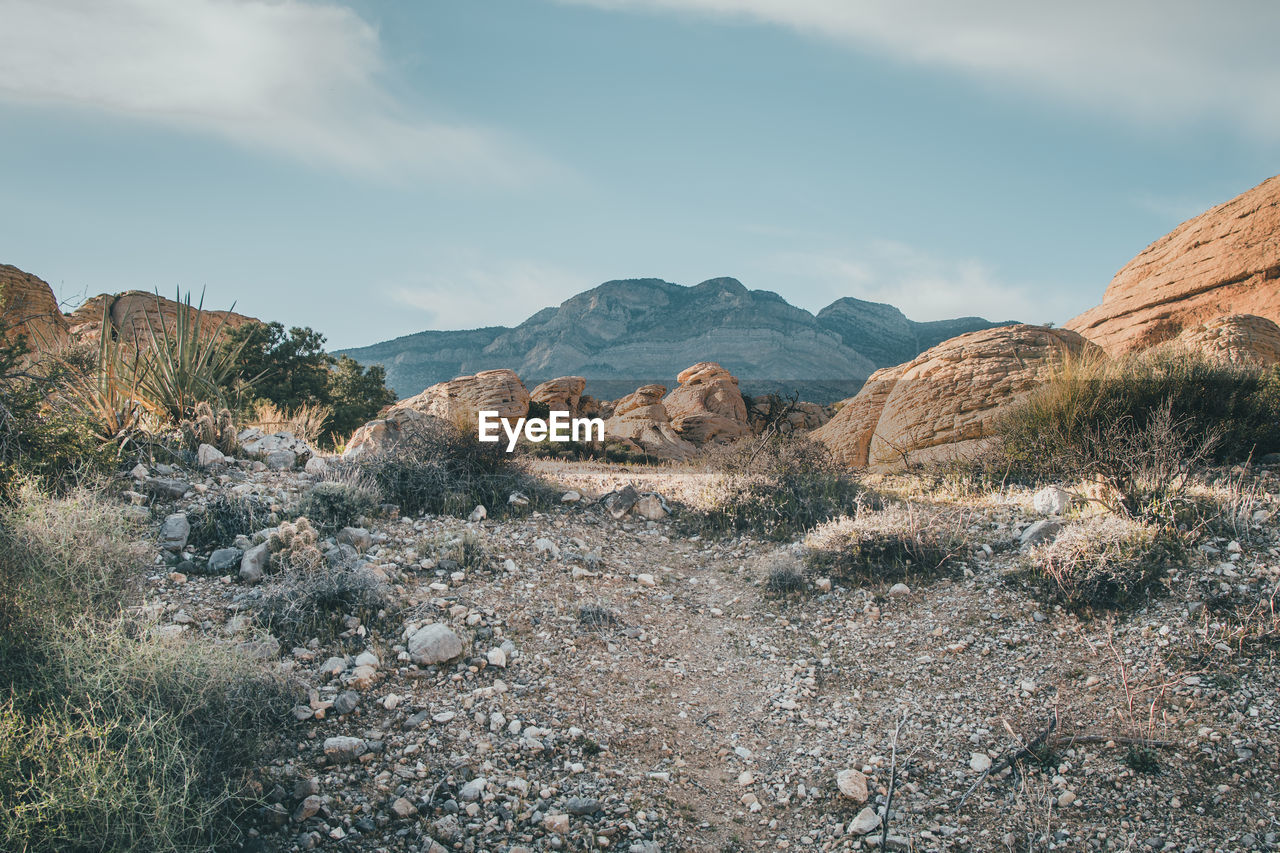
{"points": [[307, 422], [1105, 561], [899, 543]]}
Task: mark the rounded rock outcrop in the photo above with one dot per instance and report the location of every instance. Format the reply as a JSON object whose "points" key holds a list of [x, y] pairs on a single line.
{"points": [[707, 406], [943, 403]]}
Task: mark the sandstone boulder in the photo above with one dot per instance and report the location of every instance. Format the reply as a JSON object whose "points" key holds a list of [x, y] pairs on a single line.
{"points": [[641, 420], [30, 311], [134, 314], [1224, 261], [943, 403], [561, 395], [1243, 339], [385, 433], [800, 416], [707, 406], [460, 400]]}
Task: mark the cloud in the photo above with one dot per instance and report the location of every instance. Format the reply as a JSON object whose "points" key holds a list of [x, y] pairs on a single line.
{"points": [[1155, 60], [470, 295], [923, 286], [301, 79]]}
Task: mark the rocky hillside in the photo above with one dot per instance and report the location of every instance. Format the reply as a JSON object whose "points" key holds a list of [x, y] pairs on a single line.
{"points": [[647, 329]]}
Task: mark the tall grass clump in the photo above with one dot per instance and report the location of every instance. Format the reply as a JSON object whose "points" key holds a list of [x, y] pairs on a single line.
{"points": [[112, 737], [435, 467], [1234, 410], [334, 504], [897, 543], [778, 487]]}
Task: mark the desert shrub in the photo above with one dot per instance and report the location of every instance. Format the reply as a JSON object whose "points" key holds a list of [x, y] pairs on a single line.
{"points": [[897, 543], [335, 504], [438, 468], [288, 377], [596, 617], [1104, 561], [468, 551], [112, 738], [777, 488], [297, 606], [61, 557], [1231, 410], [224, 517], [784, 576], [42, 437]]}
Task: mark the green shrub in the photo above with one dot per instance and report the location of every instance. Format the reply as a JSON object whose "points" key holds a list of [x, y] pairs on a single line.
{"points": [[899, 543], [438, 468], [1104, 561], [111, 737], [224, 517], [1233, 411], [335, 504], [777, 488]]}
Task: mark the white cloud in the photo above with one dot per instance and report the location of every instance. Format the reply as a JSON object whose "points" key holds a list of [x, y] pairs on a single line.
{"points": [[462, 295], [923, 286], [1156, 60], [298, 78]]}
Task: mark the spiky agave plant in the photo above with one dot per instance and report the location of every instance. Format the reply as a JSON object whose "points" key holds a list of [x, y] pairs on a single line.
{"points": [[108, 393], [185, 366]]}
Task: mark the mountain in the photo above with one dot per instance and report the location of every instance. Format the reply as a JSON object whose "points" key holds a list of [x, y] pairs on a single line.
{"points": [[625, 333]]}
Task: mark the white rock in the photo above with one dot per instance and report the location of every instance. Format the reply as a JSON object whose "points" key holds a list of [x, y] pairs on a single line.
{"points": [[497, 657], [1042, 531], [557, 823], [649, 507], [546, 547], [865, 822], [979, 762], [367, 658], [852, 784], [317, 465], [433, 644], [478, 514], [899, 589], [254, 563], [207, 456], [570, 497], [1052, 500], [344, 748], [281, 460], [473, 790], [646, 579]]}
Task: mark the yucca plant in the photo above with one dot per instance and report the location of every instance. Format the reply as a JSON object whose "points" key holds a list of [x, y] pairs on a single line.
{"points": [[108, 393], [185, 366]]}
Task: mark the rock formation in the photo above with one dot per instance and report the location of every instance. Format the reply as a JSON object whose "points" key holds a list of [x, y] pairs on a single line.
{"points": [[563, 394], [1224, 261], [761, 411], [30, 310], [640, 420], [134, 313], [381, 435], [707, 406], [944, 402], [460, 400], [1243, 339]]}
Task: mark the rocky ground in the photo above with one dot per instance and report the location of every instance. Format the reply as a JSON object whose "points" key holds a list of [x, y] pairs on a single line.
{"points": [[618, 683]]}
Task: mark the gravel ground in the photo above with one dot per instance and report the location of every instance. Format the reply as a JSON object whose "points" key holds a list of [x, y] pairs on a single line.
{"points": [[623, 685]]}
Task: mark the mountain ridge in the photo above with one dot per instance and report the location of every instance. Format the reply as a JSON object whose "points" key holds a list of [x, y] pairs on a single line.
{"points": [[625, 331]]}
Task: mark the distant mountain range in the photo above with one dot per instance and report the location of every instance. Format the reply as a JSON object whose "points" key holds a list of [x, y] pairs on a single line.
{"points": [[625, 333]]}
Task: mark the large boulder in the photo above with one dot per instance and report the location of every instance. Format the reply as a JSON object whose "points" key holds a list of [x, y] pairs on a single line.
{"points": [[788, 417], [385, 433], [1243, 339], [30, 311], [640, 420], [943, 403], [707, 406], [1224, 261], [258, 444], [135, 314], [460, 400], [563, 394]]}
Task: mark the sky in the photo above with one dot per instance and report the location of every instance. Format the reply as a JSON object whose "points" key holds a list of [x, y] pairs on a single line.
{"points": [[373, 169]]}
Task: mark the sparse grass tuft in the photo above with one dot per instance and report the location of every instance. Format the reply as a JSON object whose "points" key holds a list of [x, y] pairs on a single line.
{"points": [[1104, 561], [224, 518], [894, 544], [335, 504], [784, 576], [777, 487], [439, 468], [297, 606]]}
